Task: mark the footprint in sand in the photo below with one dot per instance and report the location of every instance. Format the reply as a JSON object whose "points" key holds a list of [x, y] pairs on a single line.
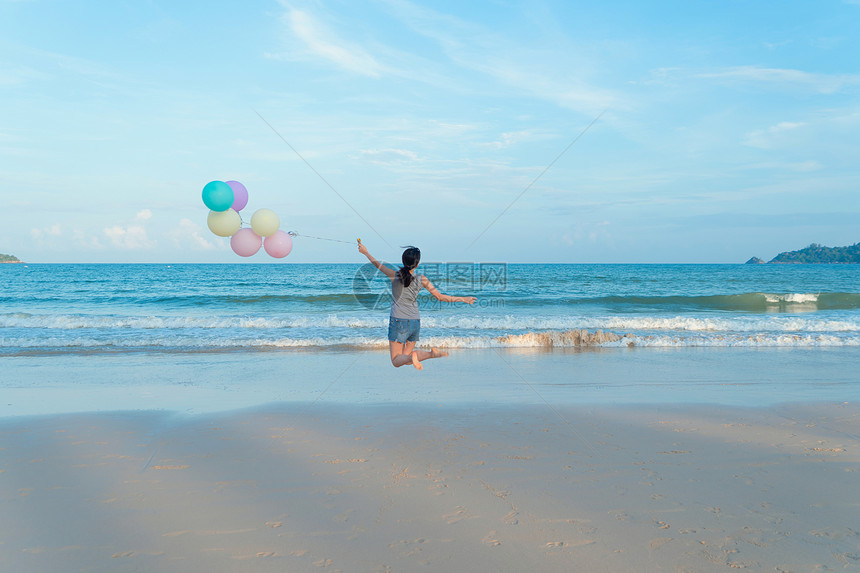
{"points": [[343, 517], [560, 544], [124, 554], [437, 485], [511, 518], [410, 548], [491, 540], [848, 558], [835, 534], [406, 543], [438, 488], [458, 515]]}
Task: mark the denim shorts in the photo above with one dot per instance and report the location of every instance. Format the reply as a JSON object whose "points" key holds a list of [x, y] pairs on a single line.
{"points": [[403, 329]]}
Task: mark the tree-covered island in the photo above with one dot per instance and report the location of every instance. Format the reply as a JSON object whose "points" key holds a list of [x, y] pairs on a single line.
{"points": [[9, 259], [815, 253]]}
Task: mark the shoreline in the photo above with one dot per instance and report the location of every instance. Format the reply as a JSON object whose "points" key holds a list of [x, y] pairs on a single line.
{"points": [[209, 383], [397, 487]]}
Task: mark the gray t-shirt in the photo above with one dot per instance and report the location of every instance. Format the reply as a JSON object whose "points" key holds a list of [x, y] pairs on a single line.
{"points": [[404, 303]]}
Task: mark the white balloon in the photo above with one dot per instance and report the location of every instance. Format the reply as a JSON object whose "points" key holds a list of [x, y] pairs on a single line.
{"points": [[265, 222], [224, 223]]}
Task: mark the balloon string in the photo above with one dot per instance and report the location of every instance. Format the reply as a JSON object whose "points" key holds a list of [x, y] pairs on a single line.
{"points": [[295, 234]]}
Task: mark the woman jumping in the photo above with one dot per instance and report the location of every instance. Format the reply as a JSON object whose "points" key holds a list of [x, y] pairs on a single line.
{"points": [[405, 322]]}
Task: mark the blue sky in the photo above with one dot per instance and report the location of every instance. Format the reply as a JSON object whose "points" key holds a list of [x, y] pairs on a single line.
{"points": [[726, 129]]}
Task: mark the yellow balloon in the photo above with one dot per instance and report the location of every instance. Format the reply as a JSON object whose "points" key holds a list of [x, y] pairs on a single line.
{"points": [[224, 223], [265, 222]]}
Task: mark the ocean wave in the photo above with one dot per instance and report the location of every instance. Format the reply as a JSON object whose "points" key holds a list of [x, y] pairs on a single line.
{"points": [[238, 299], [762, 302], [463, 321], [569, 339], [198, 299], [597, 339], [792, 323], [74, 322], [748, 302]]}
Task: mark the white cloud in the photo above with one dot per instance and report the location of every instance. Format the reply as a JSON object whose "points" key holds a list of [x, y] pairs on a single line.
{"points": [[471, 47], [187, 235], [591, 233], [820, 83], [797, 166], [83, 239], [539, 72], [390, 156], [566, 90], [773, 136], [510, 138], [46, 235], [806, 166], [133, 236], [320, 42], [18, 75]]}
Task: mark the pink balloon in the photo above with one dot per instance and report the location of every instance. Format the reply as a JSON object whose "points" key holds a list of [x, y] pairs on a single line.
{"points": [[278, 245], [245, 242], [240, 195]]}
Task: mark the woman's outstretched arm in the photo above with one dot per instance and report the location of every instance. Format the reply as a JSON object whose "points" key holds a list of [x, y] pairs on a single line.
{"points": [[385, 270], [425, 282]]}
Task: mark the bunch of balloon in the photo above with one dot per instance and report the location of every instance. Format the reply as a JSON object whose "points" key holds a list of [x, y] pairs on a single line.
{"points": [[225, 200]]}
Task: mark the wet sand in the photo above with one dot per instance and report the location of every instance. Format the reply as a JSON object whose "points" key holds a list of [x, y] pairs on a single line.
{"points": [[420, 487]]}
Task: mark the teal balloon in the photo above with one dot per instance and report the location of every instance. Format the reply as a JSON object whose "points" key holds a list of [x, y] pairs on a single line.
{"points": [[218, 196]]}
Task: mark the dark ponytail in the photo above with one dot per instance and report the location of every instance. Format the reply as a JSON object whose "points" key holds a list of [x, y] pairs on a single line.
{"points": [[411, 257]]}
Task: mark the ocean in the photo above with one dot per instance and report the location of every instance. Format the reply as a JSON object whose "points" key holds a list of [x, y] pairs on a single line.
{"points": [[114, 308], [198, 337]]}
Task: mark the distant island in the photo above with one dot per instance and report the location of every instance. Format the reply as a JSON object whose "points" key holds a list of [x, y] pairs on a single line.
{"points": [[815, 254], [9, 259]]}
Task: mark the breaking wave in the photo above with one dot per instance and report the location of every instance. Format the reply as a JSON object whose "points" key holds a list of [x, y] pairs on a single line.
{"points": [[731, 323], [578, 338], [746, 302]]}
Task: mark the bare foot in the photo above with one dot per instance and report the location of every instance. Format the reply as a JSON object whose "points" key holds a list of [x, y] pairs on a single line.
{"points": [[415, 362], [436, 353]]}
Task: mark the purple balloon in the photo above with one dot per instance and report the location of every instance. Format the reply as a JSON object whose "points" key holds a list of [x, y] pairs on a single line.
{"points": [[245, 242], [240, 195], [279, 244]]}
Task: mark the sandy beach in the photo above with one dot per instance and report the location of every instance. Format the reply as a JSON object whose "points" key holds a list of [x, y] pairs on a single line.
{"points": [[323, 487]]}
